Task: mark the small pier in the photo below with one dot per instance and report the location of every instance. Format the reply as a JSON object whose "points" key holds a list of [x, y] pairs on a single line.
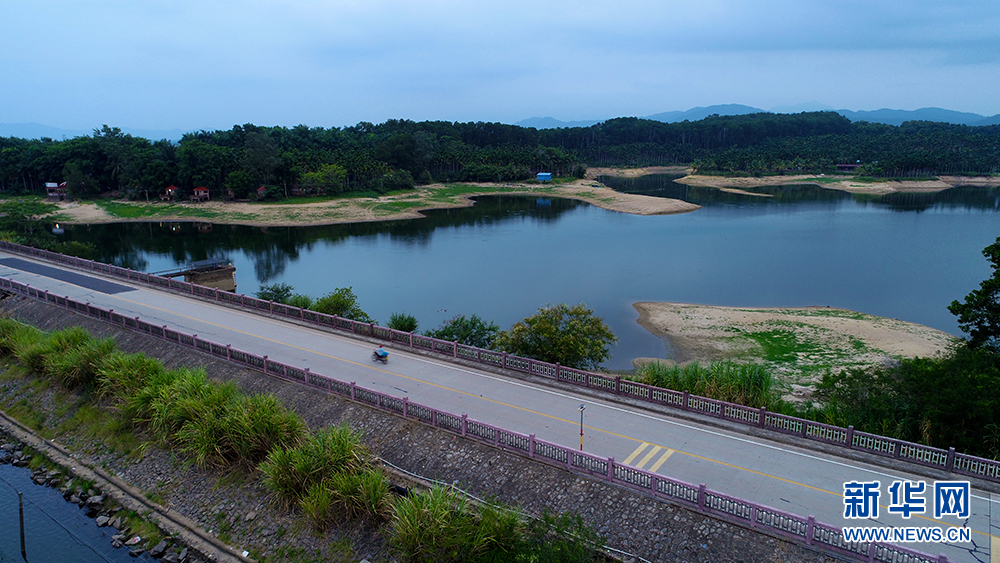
{"points": [[218, 273]]}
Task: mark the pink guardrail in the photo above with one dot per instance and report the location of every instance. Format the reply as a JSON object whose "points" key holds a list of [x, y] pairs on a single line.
{"points": [[947, 460], [802, 531]]}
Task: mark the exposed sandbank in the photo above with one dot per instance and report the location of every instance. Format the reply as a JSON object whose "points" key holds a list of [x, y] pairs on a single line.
{"points": [[799, 344]]}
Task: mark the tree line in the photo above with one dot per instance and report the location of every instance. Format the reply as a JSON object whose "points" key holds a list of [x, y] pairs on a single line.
{"points": [[399, 154]]}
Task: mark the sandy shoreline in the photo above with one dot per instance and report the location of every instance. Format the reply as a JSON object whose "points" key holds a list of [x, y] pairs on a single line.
{"points": [[410, 205], [799, 344], [845, 184], [356, 210]]}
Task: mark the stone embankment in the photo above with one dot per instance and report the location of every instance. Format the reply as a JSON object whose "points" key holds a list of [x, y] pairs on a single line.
{"points": [[237, 508], [105, 510]]}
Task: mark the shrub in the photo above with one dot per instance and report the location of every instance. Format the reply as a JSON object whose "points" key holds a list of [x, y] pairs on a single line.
{"points": [[571, 336], [403, 322], [277, 292], [300, 301], [343, 303], [472, 331]]}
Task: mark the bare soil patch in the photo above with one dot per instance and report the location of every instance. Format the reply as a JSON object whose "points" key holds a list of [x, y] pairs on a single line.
{"points": [[798, 344]]}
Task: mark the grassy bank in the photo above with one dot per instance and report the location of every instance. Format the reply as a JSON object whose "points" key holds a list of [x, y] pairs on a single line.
{"points": [[327, 475]]}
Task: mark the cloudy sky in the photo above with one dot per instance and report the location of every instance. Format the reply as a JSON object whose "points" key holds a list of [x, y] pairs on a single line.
{"points": [[210, 64]]}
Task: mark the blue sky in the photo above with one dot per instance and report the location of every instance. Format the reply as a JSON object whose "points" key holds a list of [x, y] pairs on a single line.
{"points": [[212, 64]]}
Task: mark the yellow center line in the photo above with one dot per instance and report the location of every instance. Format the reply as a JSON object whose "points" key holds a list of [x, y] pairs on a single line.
{"points": [[522, 409]]}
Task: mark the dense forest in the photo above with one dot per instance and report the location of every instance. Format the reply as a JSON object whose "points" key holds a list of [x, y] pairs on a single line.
{"points": [[400, 154]]}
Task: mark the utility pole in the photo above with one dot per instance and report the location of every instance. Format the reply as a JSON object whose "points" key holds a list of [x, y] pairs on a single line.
{"points": [[20, 512], [582, 408]]}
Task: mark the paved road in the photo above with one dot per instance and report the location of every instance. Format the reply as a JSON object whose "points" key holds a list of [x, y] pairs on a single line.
{"points": [[787, 478]]}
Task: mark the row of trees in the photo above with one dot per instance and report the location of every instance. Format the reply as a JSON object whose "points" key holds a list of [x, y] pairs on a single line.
{"points": [[395, 155], [564, 334], [400, 153]]}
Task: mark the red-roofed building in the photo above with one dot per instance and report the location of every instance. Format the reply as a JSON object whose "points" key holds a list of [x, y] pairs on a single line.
{"points": [[56, 191], [169, 193], [200, 194], [260, 192]]}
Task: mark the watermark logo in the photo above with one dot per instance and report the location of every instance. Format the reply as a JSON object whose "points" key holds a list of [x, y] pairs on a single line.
{"points": [[951, 498], [903, 500], [861, 499], [906, 498]]}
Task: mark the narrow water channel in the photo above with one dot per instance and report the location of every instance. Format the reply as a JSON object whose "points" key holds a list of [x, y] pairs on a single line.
{"points": [[54, 530]]}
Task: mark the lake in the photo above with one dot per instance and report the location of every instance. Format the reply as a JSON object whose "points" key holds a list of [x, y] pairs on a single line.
{"points": [[905, 256]]}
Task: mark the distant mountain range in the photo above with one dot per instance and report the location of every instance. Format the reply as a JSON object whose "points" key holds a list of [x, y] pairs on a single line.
{"points": [[887, 116]]}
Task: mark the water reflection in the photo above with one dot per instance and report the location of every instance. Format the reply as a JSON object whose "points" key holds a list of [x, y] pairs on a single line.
{"points": [[506, 256], [130, 245], [664, 185]]}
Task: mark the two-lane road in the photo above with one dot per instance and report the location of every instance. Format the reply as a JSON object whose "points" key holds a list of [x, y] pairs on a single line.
{"points": [[795, 480]]}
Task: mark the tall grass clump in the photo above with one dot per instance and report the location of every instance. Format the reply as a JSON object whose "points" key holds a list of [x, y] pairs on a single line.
{"points": [[439, 525], [121, 375], [36, 357], [78, 366], [745, 384], [328, 475], [14, 336], [257, 425], [71, 356]]}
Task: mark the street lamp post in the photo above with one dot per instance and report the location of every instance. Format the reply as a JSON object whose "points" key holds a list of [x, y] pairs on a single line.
{"points": [[582, 407]]}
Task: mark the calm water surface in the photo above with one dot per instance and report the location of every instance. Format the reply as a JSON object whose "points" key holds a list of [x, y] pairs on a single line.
{"points": [[55, 530], [905, 256]]}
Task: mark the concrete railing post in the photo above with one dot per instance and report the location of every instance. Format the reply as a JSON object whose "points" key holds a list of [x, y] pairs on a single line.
{"points": [[684, 401], [618, 385], [850, 436], [306, 375], [465, 424], [406, 407], [810, 529], [611, 469], [353, 385], [763, 417], [950, 463], [454, 349], [701, 496], [558, 371], [531, 445], [229, 351]]}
